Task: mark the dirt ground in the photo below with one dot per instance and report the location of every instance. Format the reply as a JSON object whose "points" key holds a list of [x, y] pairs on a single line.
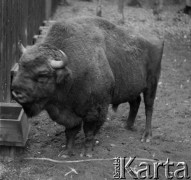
{"points": [[171, 118]]}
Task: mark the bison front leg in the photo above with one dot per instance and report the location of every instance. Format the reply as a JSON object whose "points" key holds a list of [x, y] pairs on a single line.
{"points": [[70, 138], [92, 124], [89, 128]]}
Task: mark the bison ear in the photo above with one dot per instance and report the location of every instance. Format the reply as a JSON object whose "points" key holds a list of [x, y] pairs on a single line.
{"points": [[62, 75]]}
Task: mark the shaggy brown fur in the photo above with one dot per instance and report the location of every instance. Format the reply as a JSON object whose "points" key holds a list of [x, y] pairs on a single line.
{"points": [[106, 65]]}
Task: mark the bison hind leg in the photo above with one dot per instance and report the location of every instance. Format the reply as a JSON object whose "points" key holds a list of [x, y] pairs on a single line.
{"points": [[149, 97], [134, 107]]}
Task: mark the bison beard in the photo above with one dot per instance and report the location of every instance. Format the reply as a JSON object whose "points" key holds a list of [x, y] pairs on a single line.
{"points": [[32, 109], [85, 64]]}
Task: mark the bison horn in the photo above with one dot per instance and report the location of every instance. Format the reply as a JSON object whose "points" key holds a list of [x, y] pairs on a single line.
{"points": [[21, 47], [59, 64]]}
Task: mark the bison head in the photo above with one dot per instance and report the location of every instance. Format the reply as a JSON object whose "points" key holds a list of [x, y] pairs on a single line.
{"points": [[41, 69]]}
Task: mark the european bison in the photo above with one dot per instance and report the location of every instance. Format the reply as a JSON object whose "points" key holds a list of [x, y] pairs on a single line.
{"points": [[82, 66]]}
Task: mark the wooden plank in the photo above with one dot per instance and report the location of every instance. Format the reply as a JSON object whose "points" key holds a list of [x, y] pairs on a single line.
{"points": [[30, 22], [4, 36], [24, 13], [8, 50], [15, 34], [9, 112], [4, 104], [13, 52], [1, 49], [17, 27], [11, 135], [48, 7]]}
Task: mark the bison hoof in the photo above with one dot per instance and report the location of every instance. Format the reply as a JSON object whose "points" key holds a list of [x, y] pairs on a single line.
{"points": [[64, 156], [130, 127], [66, 153], [89, 155], [87, 152], [81, 155], [146, 137]]}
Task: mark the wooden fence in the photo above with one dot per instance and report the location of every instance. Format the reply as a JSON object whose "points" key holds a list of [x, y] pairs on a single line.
{"points": [[19, 20]]}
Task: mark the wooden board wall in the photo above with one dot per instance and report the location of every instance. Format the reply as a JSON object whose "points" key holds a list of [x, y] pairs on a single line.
{"points": [[19, 20]]}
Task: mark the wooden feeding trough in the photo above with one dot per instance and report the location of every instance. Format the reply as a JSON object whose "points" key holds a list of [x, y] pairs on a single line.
{"points": [[14, 125]]}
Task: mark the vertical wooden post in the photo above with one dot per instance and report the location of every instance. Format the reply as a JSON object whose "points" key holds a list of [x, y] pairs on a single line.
{"points": [[121, 4], [48, 8], [1, 49], [99, 8]]}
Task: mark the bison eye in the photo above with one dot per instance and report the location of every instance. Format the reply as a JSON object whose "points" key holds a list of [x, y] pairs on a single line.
{"points": [[42, 78]]}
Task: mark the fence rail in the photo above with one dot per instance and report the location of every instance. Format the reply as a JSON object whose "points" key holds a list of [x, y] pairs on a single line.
{"points": [[19, 20]]}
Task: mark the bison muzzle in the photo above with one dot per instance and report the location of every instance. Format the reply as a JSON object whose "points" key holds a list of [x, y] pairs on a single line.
{"points": [[80, 67]]}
